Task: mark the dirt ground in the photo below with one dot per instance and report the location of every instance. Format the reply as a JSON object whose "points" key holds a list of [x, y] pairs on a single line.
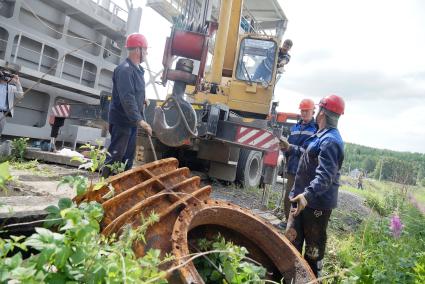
{"points": [[35, 186], [347, 217]]}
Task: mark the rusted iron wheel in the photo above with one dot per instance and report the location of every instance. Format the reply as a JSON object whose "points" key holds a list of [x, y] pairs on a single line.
{"points": [[263, 241], [187, 213]]}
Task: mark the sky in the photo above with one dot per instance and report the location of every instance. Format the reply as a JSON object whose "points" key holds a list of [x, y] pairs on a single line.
{"points": [[371, 53]]}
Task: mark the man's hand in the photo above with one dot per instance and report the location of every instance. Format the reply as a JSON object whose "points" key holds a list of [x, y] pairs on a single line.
{"points": [[301, 204], [143, 124], [284, 145], [15, 80]]}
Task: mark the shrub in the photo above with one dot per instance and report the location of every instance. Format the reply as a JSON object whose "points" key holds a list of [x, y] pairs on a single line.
{"points": [[19, 146]]}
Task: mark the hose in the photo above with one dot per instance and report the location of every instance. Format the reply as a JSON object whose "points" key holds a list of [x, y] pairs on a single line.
{"points": [[186, 124]]}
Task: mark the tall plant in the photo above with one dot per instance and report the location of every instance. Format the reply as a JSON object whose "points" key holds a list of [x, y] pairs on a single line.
{"points": [[19, 147]]}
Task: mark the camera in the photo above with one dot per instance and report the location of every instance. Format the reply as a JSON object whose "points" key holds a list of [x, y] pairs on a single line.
{"points": [[5, 76]]}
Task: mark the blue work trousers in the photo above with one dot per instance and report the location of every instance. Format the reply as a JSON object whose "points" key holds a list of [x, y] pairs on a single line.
{"points": [[122, 148]]}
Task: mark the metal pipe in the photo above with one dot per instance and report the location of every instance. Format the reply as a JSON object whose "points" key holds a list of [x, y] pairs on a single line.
{"points": [[220, 42], [17, 47], [82, 71], [41, 57]]}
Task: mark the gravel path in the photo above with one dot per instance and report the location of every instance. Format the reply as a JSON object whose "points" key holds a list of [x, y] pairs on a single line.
{"points": [[347, 217], [248, 198], [351, 212]]}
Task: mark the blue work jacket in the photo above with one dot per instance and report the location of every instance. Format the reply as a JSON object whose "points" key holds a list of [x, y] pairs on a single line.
{"points": [[319, 169], [299, 134], [128, 94]]}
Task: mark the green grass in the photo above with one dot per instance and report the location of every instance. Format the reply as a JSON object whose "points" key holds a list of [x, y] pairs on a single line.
{"points": [[419, 194], [371, 254], [25, 165], [33, 167]]}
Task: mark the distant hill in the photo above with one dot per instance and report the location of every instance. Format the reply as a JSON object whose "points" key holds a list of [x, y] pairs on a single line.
{"points": [[402, 167]]}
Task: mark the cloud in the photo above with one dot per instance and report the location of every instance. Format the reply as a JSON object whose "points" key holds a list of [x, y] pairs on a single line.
{"points": [[400, 130], [356, 85], [313, 56], [381, 111]]}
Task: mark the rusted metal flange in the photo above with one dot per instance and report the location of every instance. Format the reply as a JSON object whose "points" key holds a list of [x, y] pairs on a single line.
{"points": [[129, 179], [159, 187], [187, 213], [263, 241]]}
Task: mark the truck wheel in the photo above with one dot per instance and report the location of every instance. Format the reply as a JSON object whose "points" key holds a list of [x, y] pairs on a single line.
{"points": [[250, 168]]}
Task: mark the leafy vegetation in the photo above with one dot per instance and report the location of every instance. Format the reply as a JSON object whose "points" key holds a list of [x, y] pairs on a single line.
{"points": [[70, 248], [4, 175], [97, 156], [230, 265], [76, 252], [387, 247], [377, 256], [400, 167], [19, 145], [25, 165], [117, 167]]}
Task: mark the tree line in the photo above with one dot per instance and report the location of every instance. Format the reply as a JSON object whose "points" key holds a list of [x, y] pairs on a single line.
{"points": [[400, 167]]}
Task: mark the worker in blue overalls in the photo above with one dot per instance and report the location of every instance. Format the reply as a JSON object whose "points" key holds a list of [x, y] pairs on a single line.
{"points": [[126, 108], [315, 191], [300, 132]]}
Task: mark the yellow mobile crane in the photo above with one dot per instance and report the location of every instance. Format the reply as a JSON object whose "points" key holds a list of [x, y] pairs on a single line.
{"points": [[217, 119]]}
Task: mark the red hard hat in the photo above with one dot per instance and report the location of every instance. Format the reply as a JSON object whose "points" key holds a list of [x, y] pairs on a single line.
{"points": [[136, 40], [306, 104], [333, 103]]}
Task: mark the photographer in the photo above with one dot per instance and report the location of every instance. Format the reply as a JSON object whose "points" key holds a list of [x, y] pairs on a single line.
{"points": [[10, 87]]}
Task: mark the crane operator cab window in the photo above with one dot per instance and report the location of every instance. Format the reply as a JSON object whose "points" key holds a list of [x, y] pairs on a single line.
{"points": [[256, 60]]}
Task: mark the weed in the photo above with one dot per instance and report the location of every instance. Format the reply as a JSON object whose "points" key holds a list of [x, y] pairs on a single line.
{"points": [[77, 253], [82, 184], [376, 204], [19, 146], [25, 165], [419, 269], [5, 176], [230, 265], [117, 167], [388, 248]]}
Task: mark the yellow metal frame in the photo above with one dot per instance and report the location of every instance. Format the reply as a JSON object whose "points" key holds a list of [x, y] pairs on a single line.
{"points": [[239, 95]]}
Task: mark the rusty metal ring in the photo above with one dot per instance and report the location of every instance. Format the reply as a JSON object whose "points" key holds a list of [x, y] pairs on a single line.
{"points": [[242, 228]]}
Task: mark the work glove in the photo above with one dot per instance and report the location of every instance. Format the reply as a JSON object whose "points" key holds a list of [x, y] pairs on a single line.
{"points": [[301, 202], [143, 124], [284, 145]]}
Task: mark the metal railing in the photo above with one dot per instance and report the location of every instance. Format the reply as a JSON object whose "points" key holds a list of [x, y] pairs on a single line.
{"points": [[113, 8], [39, 59], [176, 4], [254, 25]]}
